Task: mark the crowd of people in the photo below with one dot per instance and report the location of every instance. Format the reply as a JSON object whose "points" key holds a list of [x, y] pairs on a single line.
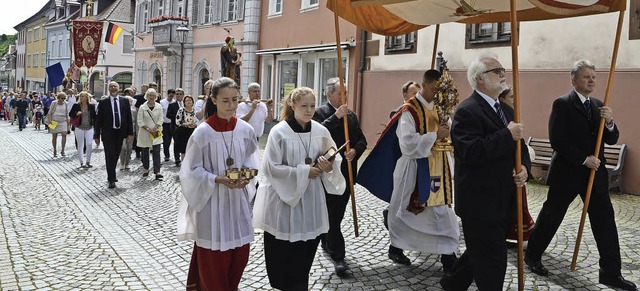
{"points": [[301, 201]]}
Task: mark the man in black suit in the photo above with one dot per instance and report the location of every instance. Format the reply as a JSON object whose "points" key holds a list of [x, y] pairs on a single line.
{"points": [[331, 116], [113, 123], [573, 126], [172, 111], [483, 135]]}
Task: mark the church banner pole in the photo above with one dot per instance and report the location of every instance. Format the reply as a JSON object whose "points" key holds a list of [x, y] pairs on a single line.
{"points": [[435, 47], [592, 174], [516, 108], [346, 123]]}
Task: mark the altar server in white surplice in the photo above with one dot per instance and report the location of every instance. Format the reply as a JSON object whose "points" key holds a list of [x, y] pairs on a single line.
{"points": [[214, 210], [290, 205]]}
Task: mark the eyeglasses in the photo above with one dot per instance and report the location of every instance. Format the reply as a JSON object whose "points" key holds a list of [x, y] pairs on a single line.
{"points": [[497, 71]]}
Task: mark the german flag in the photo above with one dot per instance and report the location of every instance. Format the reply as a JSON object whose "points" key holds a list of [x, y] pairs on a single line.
{"points": [[113, 32]]}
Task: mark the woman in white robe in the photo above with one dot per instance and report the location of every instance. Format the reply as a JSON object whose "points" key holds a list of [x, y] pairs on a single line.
{"points": [[290, 205], [214, 210]]}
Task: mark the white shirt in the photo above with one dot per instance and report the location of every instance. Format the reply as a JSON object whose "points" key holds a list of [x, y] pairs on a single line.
{"points": [[165, 105], [258, 117], [113, 111], [71, 99]]}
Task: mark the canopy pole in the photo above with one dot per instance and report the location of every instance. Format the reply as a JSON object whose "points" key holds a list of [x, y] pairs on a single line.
{"points": [[345, 118], [592, 174], [516, 108], [435, 47]]}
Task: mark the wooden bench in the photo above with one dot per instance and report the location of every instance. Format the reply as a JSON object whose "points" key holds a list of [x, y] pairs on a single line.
{"points": [[613, 153]]}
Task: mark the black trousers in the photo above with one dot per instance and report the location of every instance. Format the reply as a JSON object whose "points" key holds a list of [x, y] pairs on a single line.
{"points": [[333, 241], [112, 146], [289, 263], [176, 153], [601, 217], [485, 259], [156, 158], [166, 139]]}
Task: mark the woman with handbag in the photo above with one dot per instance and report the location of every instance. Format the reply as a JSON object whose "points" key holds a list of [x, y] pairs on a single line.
{"points": [[57, 119], [82, 117], [186, 123], [150, 132]]}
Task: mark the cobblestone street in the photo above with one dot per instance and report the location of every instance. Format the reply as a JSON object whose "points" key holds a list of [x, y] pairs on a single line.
{"points": [[62, 229]]}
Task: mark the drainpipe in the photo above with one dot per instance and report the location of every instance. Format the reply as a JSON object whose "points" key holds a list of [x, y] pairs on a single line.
{"points": [[363, 63]]}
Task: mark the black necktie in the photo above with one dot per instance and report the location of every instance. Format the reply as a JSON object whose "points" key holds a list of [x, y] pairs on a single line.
{"points": [[116, 113], [587, 106], [501, 113]]}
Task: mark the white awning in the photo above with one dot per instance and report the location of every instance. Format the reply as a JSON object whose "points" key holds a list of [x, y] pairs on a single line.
{"points": [[313, 48]]}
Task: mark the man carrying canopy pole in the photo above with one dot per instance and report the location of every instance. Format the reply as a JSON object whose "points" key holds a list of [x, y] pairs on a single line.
{"points": [[483, 135], [573, 128]]}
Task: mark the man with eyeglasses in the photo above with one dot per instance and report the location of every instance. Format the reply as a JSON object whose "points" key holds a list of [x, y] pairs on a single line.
{"points": [[254, 111], [172, 111], [483, 135], [331, 116]]}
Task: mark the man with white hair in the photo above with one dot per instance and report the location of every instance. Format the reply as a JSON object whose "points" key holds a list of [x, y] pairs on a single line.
{"points": [[483, 135], [255, 112]]}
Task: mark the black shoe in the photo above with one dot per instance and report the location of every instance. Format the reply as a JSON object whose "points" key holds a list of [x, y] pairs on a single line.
{"points": [[146, 173], [341, 267], [536, 266], [112, 185], [616, 282], [178, 163], [159, 177], [447, 262], [385, 214], [166, 159], [397, 256]]}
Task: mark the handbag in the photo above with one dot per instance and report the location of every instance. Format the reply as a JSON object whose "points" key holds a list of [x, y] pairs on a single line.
{"points": [[75, 121], [158, 133]]}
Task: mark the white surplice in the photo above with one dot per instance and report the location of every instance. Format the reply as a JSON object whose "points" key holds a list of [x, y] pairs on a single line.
{"points": [[216, 217], [290, 205], [435, 230]]}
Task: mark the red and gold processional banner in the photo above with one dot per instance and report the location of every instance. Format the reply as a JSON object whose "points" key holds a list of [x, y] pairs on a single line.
{"points": [[87, 36]]}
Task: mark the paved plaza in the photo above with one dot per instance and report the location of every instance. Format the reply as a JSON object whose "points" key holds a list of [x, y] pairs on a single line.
{"points": [[62, 229]]}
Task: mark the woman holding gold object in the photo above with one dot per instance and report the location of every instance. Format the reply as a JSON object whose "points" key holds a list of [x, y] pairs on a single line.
{"points": [[215, 209], [291, 206]]}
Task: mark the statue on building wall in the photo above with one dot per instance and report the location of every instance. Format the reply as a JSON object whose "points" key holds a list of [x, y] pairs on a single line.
{"points": [[230, 60]]}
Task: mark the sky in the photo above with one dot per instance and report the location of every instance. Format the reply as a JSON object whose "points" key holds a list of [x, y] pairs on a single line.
{"points": [[17, 11]]}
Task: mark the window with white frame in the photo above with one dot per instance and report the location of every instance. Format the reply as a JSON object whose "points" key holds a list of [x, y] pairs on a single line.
{"points": [[67, 47], [28, 61], [232, 10], [43, 59], [159, 8], [54, 52], [401, 44], [60, 48], [29, 36], [207, 11], [36, 33], [275, 7], [306, 4], [180, 8]]}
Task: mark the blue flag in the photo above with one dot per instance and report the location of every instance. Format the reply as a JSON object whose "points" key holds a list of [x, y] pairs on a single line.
{"points": [[56, 74]]}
